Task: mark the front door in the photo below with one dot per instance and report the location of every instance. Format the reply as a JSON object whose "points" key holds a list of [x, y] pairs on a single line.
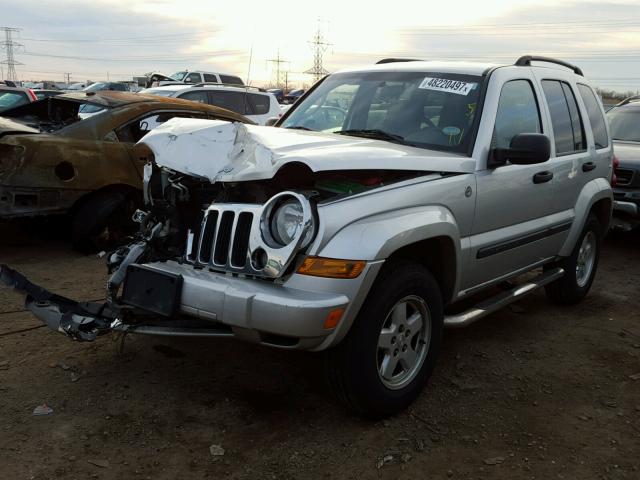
{"points": [[514, 224]]}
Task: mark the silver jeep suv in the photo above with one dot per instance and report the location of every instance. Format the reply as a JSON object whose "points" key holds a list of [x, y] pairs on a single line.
{"points": [[385, 197]]}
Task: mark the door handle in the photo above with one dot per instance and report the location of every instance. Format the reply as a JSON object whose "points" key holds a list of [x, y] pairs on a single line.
{"points": [[588, 166], [542, 177]]}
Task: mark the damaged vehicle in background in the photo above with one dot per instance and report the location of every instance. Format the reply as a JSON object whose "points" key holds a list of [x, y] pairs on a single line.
{"points": [[389, 202], [54, 162]]}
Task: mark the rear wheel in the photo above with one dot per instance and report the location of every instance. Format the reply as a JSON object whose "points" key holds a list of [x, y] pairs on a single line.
{"points": [[579, 267], [387, 357]]}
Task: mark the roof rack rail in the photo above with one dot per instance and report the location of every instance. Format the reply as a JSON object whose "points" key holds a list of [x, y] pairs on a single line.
{"points": [[525, 61], [237, 85], [627, 100], [397, 60]]}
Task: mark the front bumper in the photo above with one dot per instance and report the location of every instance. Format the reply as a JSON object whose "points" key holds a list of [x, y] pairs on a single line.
{"points": [[257, 310], [289, 315]]}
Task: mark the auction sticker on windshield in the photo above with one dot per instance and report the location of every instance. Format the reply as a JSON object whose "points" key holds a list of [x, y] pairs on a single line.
{"points": [[447, 85]]}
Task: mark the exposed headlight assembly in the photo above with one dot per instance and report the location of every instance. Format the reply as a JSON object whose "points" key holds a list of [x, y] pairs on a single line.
{"points": [[288, 219]]}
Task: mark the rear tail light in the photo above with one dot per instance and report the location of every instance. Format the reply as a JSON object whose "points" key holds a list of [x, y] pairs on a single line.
{"points": [[615, 164], [33, 96]]}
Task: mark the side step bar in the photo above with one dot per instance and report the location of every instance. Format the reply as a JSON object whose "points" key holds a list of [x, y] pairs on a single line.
{"points": [[501, 300]]}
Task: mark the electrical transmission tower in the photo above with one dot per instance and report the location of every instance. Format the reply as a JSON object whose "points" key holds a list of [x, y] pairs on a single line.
{"points": [[280, 72], [9, 45], [320, 46]]}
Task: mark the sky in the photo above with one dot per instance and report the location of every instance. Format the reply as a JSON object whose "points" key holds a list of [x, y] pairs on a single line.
{"points": [[118, 39]]}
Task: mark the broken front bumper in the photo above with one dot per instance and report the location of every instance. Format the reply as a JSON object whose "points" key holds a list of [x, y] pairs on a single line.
{"points": [[290, 315]]}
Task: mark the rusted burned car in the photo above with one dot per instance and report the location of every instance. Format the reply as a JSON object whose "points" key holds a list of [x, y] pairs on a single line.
{"points": [[76, 154]]}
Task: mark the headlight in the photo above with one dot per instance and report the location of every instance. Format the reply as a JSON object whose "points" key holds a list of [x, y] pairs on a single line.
{"points": [[287, 221], [285, 218]]}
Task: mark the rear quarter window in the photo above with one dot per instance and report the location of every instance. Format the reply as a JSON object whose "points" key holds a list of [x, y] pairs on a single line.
{"points": [[596, 119], [258, 104]]}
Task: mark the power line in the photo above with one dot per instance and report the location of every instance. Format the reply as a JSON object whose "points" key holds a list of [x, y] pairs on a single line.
{"points": [[9, 45]]}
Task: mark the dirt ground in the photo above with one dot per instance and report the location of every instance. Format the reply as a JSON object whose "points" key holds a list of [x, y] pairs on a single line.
{"points": [[532, 392]]}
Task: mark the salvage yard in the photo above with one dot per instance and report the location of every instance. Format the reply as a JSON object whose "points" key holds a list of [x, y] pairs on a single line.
{"points": [[534, 391]]}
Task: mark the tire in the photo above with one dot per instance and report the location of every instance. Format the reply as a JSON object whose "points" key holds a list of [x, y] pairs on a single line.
{"points": [[353, 367], [580, 267], [103, 220]]}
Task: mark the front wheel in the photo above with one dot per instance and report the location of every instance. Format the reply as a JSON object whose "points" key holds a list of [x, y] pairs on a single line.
{"points": [[579, 267], [388, 355]]}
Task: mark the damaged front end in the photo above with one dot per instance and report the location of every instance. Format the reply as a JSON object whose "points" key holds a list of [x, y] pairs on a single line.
{"points": [[225, 256]]}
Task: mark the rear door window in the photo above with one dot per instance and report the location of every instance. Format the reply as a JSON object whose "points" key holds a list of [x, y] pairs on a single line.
{"points": [[209, 78], [233, 101], [565, 117], [596, 119]]}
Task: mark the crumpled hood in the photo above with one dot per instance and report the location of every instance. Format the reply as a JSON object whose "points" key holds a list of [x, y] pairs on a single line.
{"points": [[231, 152], [8, 126], [628, 153]]}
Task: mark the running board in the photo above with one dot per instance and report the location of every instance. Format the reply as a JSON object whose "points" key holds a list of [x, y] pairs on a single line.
{"points": [[501, 300]]}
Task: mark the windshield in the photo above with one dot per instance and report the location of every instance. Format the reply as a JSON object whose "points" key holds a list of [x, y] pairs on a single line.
{"points": [[429, 110], [625, 123], [178, 76], [12, 99], [96, 87]]}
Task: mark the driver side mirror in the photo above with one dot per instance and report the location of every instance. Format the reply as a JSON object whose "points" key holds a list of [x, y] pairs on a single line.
{"points": [[525, 149]]}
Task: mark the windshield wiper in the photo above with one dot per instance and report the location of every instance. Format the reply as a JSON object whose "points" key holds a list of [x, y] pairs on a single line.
{"points": [[374, 133], [300, 127]]}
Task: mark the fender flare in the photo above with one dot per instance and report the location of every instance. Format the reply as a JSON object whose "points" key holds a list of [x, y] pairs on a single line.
{"points": [[592, 192]]}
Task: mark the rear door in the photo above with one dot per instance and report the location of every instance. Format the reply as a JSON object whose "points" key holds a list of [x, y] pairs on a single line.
{"points": [[575, 159], [514, 224]]}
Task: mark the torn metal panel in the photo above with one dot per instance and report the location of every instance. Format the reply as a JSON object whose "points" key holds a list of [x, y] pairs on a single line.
{"points": [[231, 152]]}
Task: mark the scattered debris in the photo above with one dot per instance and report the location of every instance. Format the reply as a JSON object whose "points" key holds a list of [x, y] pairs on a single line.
{"points": [[4, 365], [384, 460], [216, 450], [43, 409], [99, 463], [494, 461], [75, 377], [635, 376]]}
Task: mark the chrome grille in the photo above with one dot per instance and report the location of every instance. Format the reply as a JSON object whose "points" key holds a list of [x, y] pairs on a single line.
{"points": [[624, 177], [224, 238]]}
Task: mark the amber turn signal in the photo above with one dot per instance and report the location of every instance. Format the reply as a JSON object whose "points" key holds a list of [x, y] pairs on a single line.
{"points": [[333, 319], [331, 267]]}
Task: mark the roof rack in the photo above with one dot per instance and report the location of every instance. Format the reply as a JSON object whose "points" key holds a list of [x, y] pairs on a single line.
{"points": [[237, 85], [627, 101], [525, 61], [397, 60]]}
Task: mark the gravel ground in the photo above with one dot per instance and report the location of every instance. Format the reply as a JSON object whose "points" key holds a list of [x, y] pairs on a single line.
{"points": [[532, 392]]}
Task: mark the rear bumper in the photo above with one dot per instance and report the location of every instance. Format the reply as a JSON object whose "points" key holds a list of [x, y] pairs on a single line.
{"points": [[16, 202], [625, 207]]}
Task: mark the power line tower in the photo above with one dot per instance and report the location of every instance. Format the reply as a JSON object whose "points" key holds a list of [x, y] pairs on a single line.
{"points": [[9, 45], [320, 46], [280, 72]]}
